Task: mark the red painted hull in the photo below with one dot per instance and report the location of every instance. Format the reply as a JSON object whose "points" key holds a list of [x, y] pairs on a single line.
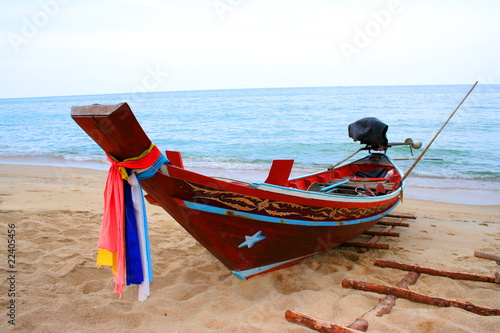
{"points": [[251, 228]]}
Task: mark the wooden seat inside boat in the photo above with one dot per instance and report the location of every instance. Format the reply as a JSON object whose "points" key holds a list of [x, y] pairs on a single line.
{"points": [[372, 175]]}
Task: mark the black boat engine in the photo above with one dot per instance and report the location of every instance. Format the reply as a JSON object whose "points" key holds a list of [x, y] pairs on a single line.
{"points": [[371, 132]]}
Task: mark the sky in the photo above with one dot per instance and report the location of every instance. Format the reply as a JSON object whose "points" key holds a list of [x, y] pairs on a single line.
{"points": [[80, 47]]}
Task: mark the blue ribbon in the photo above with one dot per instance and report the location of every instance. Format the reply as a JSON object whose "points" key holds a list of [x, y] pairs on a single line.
{"points": [[132, 249], [145, 175], [154, 168]]}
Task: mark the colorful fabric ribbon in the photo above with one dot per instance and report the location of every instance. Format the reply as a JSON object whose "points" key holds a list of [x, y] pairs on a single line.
{"points": [[133, 260], [112, 243], [142, 230]]}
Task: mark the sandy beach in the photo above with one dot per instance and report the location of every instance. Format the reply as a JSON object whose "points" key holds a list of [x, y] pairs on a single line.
{"points": [[57, 215]]}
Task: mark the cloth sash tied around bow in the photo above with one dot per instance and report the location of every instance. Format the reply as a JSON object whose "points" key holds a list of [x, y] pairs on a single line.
{"points": [[111, 244]]}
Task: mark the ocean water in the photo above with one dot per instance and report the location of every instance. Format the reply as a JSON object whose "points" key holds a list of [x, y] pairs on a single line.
{"points": [[246, 129]]}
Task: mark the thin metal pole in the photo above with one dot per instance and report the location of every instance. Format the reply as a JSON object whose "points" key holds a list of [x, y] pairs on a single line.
{"points": [[435, 136]]}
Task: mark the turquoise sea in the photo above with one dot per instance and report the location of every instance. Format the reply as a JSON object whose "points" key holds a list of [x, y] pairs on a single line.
{"points": [[245, 129]]}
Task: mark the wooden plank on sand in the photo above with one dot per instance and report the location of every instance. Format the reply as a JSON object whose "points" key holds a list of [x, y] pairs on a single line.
{"points": [[367, 244], [404, 216], [316, 324], [394, 223], [381, 233], [419, 298], [432, 271], [486, 255]]}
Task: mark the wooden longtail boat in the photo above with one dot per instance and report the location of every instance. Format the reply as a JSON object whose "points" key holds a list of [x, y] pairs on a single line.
{"points": [[254, 228]]}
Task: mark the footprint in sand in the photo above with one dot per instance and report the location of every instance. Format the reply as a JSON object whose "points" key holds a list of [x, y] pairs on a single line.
{"points": [[287, 283]]}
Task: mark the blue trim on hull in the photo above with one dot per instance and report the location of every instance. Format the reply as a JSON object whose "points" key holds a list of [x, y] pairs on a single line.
{"points": [[242, 275], [222, 211]]}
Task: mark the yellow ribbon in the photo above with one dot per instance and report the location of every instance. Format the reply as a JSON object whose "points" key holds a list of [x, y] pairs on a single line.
{"points": [[106, 258], [122, 170]]}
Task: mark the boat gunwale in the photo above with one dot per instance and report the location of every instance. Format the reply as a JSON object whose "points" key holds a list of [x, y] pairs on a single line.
{"points": [[322, 196], [244, 188]]}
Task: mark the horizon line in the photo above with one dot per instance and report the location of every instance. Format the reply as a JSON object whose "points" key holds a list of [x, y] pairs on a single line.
{"points": [[248, 88]]}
